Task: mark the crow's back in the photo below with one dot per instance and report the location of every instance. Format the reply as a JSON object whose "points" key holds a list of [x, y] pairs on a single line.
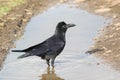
{"points": [[53, 45]]}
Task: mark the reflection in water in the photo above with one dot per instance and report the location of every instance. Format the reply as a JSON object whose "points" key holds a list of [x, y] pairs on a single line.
{"points": [[50, 75], [80, 38]]}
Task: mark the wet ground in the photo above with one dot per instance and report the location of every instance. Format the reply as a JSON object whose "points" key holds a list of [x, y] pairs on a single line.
{"points": [[72, 63], [109, 38], [12, 24]]}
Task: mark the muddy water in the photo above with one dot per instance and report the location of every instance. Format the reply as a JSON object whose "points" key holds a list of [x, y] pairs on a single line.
{"points": [[72, 63]]}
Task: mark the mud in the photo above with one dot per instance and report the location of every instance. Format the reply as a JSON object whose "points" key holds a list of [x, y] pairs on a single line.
{"points": [[72, 63], [13, 23], [109, 38]]}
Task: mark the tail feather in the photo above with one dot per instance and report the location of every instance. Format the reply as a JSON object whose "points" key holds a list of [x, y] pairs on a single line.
{"points": [[24, 55], [18, 51]]}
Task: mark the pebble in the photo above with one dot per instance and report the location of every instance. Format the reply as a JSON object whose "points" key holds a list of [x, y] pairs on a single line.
{"points": [[15, 35], [110, 36], [104, 48], [118, 28], [62, 1], [108, 51], [29, 13], [78, 1], [25, 20], [114, 16], [101, 10], [117, 56], [98, 63], [19, 15], [11, 18], [96, 39], [28, 10], [115, 2], [2, 24], [117, 24]]}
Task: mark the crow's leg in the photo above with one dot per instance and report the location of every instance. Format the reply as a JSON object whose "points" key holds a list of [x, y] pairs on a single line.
{"points": [[48, 60], [52, 62]]}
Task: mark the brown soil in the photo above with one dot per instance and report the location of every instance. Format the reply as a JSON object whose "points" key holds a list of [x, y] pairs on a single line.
{"points": [[107, 45], [12, 24]]}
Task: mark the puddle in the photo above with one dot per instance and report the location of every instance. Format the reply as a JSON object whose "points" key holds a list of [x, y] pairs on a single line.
{"points": [[72, 63]]}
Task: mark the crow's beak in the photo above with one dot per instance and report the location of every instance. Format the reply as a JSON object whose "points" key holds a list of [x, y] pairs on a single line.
{"points": [[70, 25]]}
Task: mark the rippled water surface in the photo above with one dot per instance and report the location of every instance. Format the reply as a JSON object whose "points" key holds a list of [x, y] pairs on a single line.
{"points": [[72, 63]]}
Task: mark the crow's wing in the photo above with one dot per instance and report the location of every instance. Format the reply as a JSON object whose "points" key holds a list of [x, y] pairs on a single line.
{"points": [[56, 48], [52, 45], [48, 48], [38, 49]]}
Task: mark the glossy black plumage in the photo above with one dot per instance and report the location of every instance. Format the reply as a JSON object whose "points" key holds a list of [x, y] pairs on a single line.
{"points": [[50, 48]]}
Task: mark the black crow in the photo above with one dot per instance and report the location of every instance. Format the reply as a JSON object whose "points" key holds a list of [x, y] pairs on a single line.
{"points": [[50, 48]]}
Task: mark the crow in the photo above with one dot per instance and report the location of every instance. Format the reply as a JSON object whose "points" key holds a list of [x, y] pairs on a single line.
{"points": [[51, 47]]}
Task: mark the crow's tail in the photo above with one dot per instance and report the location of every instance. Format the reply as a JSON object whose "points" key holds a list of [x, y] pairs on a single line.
{"points": [[18, 50], [24, 55]]}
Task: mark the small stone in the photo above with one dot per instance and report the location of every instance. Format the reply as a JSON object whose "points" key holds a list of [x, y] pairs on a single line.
{"points": [[98, 63], [104, 48], [62, 1], [117, 24], [115, 2], [15, 35], [19, 15], [29, 13], [28, 10], [78, 1], [25, 20], [118, 28], [110, 36], [104, 54], [108, 51], [2, 24], [117, 56], [11, 18], [101, 10], [114, 16]]}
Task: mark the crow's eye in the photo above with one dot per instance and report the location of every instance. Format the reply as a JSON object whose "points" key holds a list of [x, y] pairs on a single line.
{"points": [[63, 26]]}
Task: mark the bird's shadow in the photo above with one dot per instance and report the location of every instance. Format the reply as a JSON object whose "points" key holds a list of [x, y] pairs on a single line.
{"points": [[50, 75]]}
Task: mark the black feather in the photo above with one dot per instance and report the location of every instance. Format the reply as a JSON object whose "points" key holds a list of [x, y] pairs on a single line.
{"points": [[51, 47], [18, 51]]}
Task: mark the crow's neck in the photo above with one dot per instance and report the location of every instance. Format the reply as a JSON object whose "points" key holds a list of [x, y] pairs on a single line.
{"points": [[60, 34]]}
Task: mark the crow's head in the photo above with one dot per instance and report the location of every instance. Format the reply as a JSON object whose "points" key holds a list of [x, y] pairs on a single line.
{"points": [[61, 29], [63, 26]]}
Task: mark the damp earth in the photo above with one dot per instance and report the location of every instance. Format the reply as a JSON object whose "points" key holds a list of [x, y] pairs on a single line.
{"points": [[72, 63]]}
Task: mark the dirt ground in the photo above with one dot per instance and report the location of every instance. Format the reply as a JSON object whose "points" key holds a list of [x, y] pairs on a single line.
{"points": [[13, 23], [107, 44]]}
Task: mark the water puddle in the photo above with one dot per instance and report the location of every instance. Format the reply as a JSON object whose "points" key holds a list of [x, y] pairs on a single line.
{"points": [[72, 63]]}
